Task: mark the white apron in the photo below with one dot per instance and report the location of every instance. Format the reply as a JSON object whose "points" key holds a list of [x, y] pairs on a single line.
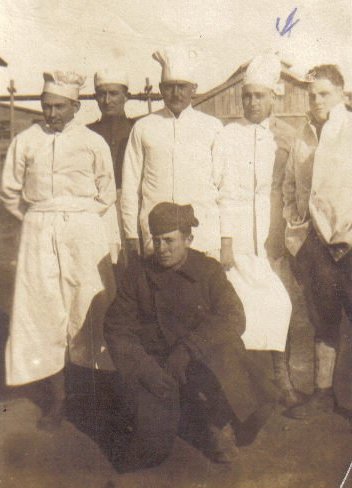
{"points": [[249, 154], [265, 301], [64, 284]]}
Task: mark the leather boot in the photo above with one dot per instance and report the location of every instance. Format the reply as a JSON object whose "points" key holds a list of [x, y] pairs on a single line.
{"points": [[53, 418], [223, 447], [322, 400], [289, 397], [247, 431]]}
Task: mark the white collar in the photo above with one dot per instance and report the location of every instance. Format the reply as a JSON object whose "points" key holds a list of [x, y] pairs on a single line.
{"points": [[337, 112], [70, 125], [264, 124], [187, 111]]}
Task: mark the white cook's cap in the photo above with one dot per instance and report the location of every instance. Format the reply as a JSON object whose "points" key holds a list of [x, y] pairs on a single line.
{"points": [[177, 63], [111, 75], [64, 83], [265, 70]]}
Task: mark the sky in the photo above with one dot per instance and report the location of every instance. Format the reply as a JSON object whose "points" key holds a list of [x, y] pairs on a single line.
{"points": [[85, 35]]}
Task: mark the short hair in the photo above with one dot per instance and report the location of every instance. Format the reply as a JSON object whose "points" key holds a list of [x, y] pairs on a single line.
{"points": [[186, 231], [328, 72]]}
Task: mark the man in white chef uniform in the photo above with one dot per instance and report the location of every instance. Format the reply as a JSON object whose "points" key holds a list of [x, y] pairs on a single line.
{"points": [[169, 157], [254, 152], [58, 179]]}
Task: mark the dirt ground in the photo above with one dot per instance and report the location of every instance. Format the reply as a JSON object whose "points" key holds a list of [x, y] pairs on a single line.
{"points": [[286, 454]]}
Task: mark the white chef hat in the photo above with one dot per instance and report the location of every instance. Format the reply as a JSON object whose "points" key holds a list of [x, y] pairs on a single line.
{"points": [[64, 83], [110, 75], [177, 63], [264, 69]]}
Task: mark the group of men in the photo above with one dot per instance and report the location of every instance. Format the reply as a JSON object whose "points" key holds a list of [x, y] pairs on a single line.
{"points": [[199, 218]]}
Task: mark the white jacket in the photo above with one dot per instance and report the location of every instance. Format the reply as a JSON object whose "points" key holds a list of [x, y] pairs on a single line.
{"points": [[171, 159], [330, 201]]}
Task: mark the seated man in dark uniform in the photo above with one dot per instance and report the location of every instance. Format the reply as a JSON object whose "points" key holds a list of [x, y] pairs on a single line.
{"points": [[173, 333]]}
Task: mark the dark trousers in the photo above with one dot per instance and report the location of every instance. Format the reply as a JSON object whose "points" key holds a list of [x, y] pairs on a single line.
{"points": [[327, 286], [150, 425]]}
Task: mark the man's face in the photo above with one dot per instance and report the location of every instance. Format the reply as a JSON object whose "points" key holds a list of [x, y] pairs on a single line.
{"points": [[177, 95], [323, 96], [257, 101], [111, 98], [171, 249], [58, 111]]}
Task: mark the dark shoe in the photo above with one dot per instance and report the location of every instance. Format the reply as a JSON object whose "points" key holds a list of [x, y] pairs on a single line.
{"points": [[247, 431], [290, 397], [322, 401], [223, 448], [345, 413], [53, 418]]}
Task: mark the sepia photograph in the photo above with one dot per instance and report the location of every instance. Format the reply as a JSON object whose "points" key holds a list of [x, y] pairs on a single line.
{"points": [[175, 244]]}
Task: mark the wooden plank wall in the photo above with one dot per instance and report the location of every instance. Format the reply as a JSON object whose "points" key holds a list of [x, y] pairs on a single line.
{"points": [[228, 104]]}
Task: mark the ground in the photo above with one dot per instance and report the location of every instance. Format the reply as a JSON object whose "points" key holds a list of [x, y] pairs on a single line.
{"points": [[286, 454]]}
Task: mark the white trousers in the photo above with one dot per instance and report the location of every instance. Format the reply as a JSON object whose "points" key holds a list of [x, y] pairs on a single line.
{"points": [[64, 284], [265, 300]]}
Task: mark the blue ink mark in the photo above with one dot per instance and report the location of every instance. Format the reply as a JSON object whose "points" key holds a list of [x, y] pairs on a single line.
{"points": [[289, 23]]}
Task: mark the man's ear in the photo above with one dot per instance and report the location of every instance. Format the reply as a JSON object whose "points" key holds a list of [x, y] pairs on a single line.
{"points": [[341, 91], [189, 239], [77, 106], [194, 88]]}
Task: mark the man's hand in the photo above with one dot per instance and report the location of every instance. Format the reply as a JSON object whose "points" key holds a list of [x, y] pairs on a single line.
{"points": [[177, 364], [296, 219], [226, 253], [157, 381]]}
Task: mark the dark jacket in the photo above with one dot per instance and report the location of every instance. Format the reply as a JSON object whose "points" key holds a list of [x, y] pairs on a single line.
{"points": [[156, 309], [115, 131]]}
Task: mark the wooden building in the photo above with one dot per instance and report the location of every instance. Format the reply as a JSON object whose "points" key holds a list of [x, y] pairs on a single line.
{"points": [[224, 101], [24, 118], [9, 226]]}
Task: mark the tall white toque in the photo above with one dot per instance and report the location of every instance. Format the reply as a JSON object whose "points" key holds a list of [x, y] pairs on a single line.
{"points": [[109, 76], [177, 63], [64, 83], [265, 70]]}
